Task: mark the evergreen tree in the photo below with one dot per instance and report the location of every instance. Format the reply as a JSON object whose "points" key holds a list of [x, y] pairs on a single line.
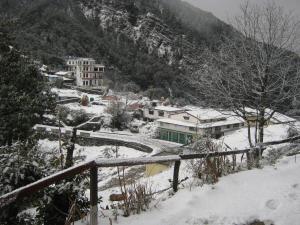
{"points": [[24, 97]]}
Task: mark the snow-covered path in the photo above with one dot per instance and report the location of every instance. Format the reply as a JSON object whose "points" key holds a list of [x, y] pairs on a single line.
{"points": [[271, 193]]}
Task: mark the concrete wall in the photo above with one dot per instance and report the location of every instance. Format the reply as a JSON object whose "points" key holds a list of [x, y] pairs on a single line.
{"points": [[84, 139]]}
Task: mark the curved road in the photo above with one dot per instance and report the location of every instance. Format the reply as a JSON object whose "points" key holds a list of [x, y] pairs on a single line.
{"points": [[133, 140]]}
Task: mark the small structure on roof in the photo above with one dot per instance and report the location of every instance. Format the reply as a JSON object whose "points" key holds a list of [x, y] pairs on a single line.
{"points": [[159, 112]]}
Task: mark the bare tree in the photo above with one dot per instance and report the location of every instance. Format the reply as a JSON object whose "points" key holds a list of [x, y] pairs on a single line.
{"points": [[256, 69]]}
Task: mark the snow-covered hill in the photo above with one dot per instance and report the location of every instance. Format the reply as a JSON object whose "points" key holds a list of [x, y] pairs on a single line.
{"points": [[268, 194]]}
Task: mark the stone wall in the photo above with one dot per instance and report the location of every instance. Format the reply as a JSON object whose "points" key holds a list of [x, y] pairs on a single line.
{"points": [[84, 139]]}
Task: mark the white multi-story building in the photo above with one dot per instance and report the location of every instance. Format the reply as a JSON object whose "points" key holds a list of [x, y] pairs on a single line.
{"points": [[86, 72]]}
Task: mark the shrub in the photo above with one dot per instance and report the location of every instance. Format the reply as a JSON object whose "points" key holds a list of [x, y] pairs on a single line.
{"points": [[120, 118]]}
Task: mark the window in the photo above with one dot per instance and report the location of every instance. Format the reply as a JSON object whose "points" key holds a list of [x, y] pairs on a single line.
{"points": [[161, 113], [217, 128], [228, 126], [192, 128], [186, 117], [236, 125], [151, 112]]}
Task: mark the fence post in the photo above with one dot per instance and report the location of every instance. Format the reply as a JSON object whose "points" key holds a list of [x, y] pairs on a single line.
{"points": [[175, 176], [94, 195]]}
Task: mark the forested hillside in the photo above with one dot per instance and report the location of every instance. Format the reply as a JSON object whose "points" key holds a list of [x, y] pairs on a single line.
{"points": [[151, 43]]}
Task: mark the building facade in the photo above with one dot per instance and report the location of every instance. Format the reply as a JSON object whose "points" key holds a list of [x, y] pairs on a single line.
{"points": [[185, 127], [86, 72]]}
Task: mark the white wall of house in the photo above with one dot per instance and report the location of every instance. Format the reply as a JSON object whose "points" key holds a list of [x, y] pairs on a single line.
{"points": [[185, 129], [154, 114]]}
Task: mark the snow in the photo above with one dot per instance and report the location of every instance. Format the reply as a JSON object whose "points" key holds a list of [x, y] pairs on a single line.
{"points": [[177, 122], [277, 117], [168, 108], [96, 110], [228, 121], [62, 73], [271, 193], [239, 138], [206, 114], [66, 92], [281, 118], [91, 152]]}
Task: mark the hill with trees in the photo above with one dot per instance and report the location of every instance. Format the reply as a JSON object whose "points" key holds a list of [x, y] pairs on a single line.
{"points": [[154, 44]]}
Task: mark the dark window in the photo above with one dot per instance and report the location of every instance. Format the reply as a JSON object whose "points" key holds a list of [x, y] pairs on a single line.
{"points": [[228, 126], [151, 112], [186, 117], [217, 128], [192, 128], [161, 113], [236, 125]]}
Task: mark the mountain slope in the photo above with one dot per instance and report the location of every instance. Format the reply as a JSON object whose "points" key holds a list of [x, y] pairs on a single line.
{"points": [[153, 43]]}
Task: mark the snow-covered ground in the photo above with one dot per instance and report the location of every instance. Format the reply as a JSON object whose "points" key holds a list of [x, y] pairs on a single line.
{"points": [[271, 193], [92, 152], [268, 194], [239, 139], [96, 110]]}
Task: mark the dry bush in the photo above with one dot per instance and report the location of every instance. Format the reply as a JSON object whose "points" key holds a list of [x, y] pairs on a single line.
{"points": [[210, 169], [135, 197], [138, 198]]}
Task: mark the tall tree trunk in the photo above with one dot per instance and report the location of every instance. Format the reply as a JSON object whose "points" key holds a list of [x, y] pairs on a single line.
{"points": [[249, 134], [59, 142], [256, 128], [70, 149], [261, 124]]}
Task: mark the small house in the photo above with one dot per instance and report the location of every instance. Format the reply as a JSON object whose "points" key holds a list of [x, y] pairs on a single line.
{"points": [[183, 127]]}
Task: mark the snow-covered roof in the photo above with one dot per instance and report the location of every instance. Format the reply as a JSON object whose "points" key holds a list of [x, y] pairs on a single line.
{"points": [[205, 114], [51, 76], [79, 58], [99, 65], [276, 118], [67, 79], [62, 73], [281, 118], [65, 92], [168, 108], [228, 121]]}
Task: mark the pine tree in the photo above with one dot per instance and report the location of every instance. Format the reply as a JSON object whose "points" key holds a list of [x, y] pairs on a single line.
{"points": [[24, 97]]}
